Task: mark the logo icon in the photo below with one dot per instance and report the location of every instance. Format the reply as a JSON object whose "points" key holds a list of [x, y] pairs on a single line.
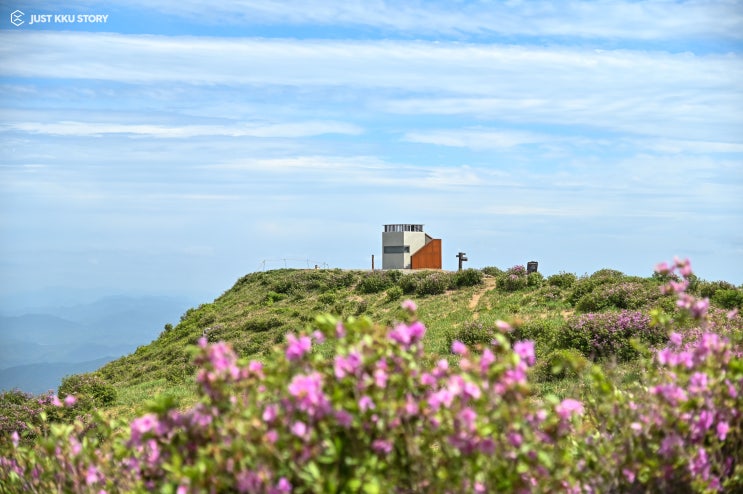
{"points": [[16, 18]]}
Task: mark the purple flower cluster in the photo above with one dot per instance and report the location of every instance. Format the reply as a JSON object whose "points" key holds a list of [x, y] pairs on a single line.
{"points": [[609, 334]]}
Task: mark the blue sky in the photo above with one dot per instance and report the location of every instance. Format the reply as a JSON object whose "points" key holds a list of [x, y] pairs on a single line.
{"points": [[178, 146]]}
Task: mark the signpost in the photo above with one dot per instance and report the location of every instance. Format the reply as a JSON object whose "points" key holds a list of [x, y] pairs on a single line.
{"points": [[462, 257]]}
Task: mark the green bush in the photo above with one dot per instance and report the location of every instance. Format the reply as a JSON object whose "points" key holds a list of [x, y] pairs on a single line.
{"points": [[709, 288], [327, 298], [273, 297], [472, 334], [394, 293], [492, 271], [513, 280], [259, 324], [562, 280], [586, 284], [375, 282], [468, 277], [610, 334], [567, 363], [20, 412], [728, 298], [434, 284], [409, 283], [619, 295], [534, 280], [89, 389]]}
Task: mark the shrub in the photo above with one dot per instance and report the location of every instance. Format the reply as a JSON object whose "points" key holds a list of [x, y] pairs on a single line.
{"points": [[621, 295], [468, 277], [374, 282], [409, 283], [361, 307], [259, 324], [586, 284], [513, 280], [610, 334], [90, 390], [709, 288], [327, 298], [534, 280], [562, 280], [560, 364], [492, 271], [434, 283], [473, 334], [21, 412], [728, 299], [273, 297], [394, 293]]}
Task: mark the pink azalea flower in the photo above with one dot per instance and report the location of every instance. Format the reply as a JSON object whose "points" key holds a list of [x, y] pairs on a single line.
{"points": [[283, 486], [380, 378], [344, 418], [459, 348], [722, 430], [409, 305], [676, 339], [407, 335], [297, 347], [256, 368], [307, 389], [269, 413], [568, 407], [662, 268], [366, 403], [486, 360], [344, 366], [299, 429], [92, 476], [69, 400], [525, 350], [629, 475], [271, 436], [382, 446], [503, 326]]}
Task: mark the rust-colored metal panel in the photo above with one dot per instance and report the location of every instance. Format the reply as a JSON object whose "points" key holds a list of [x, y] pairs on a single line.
{"points": [[428, 256]]}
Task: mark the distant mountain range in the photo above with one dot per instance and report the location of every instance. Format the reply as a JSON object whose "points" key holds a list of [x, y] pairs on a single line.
{"points": [[40, 347]]}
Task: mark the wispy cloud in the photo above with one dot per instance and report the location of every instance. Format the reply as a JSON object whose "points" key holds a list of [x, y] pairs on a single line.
{"points": [[94, 129], [676, 96], [478, 138]]}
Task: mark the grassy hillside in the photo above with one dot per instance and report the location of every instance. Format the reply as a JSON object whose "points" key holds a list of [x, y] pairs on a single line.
{"points": [[256, 313], [601, 383]]}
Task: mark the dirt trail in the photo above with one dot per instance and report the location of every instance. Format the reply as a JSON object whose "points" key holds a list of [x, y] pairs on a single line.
{"points": [[488, 284]]}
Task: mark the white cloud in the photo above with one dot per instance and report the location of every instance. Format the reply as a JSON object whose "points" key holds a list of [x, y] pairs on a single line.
{"points": [[477, 138], [676, 96], [95, 129]]}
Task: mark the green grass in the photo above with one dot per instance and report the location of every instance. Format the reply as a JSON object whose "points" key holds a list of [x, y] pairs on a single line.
{"points": [[132, 400]]}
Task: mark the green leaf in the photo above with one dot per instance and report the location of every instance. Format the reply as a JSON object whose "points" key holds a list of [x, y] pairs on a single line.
{"points": [[372, 487], [545, 459]]}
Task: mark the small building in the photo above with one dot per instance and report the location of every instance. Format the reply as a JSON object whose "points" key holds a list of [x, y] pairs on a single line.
{"points": [[407, 246]]}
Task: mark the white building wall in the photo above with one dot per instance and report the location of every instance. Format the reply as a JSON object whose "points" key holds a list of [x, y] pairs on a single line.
{"points": [[405, 244]]}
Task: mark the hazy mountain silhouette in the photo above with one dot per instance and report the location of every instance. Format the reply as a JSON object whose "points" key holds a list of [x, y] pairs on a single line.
{"points": [[40, 347]]}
